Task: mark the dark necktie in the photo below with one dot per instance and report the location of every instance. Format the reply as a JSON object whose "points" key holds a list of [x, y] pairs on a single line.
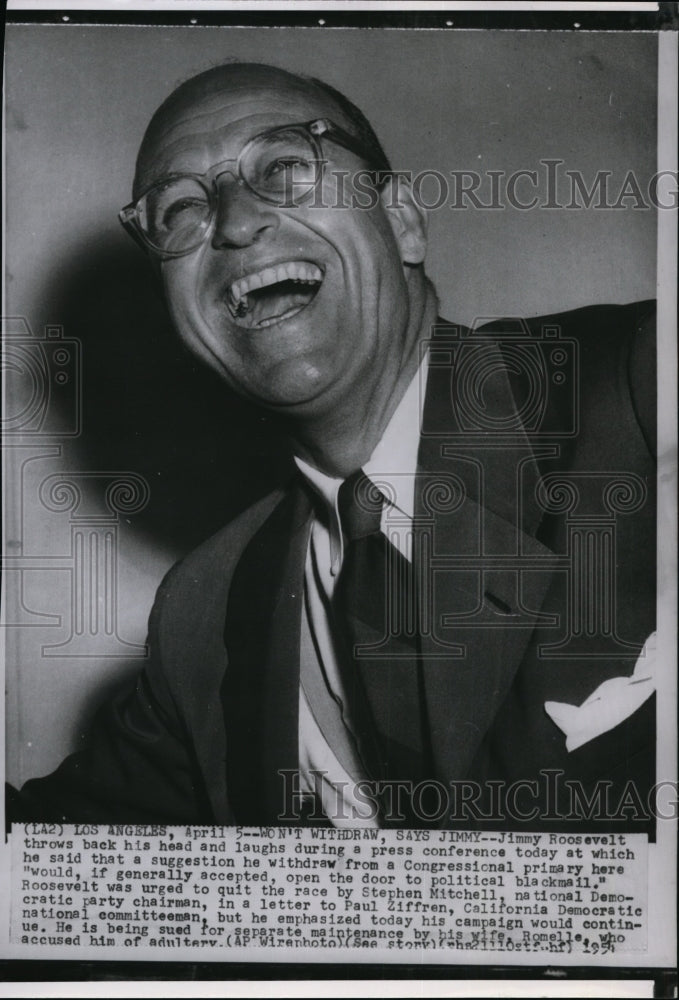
{"points": [[374, 617]]}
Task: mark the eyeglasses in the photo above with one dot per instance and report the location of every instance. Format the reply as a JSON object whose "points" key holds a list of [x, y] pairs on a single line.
{"points": [[282, 166]]}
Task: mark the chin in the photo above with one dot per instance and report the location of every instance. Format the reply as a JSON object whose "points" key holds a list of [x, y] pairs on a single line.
{"points": [[293, 387], [293, 366]]}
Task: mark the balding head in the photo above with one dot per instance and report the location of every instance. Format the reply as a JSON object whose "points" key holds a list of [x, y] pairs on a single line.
{"points": [[236, 77], [304, 306]]}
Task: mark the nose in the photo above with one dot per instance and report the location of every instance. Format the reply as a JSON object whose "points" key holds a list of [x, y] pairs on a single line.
{"points": [[242, 218]]}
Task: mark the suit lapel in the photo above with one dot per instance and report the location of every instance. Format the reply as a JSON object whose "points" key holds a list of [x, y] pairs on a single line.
{"points": [[475, 520], [390, 684], [261, 686]]}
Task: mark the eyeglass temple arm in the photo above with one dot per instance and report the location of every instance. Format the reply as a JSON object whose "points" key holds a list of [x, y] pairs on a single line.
{"points": [[323, 127], [128, 220]]}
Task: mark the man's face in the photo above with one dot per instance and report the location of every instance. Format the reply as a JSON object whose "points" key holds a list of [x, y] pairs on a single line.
{"points": [[299, 346]]}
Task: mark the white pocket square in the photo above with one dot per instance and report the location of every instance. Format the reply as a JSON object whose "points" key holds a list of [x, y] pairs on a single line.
{"points": [[612, 702]]}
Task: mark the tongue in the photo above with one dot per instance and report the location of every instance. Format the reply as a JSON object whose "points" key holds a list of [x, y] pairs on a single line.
{"points": [[274, 301]]}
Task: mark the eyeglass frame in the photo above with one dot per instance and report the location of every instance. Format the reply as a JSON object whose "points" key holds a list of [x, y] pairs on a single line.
{"points": [[317, 128]]}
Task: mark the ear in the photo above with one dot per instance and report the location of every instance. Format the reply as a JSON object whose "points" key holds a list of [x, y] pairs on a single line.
{"points": [[407, 217]]}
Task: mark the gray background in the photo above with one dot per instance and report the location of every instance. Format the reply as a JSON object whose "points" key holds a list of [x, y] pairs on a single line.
{"points": [[77, 102]]}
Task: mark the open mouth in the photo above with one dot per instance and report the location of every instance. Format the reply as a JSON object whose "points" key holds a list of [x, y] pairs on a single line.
{"points": [[273, 294]]}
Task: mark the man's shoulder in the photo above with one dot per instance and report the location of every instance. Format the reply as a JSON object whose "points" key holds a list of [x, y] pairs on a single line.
{"points": [[596, 323], [615, 366], [202, 577], [592, 317], [603, 332], [573, 375], [598, 360], [621, 335], [186, 625]]}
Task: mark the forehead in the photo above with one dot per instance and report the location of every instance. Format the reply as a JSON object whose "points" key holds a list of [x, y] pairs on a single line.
{"points": [[207, 128]]}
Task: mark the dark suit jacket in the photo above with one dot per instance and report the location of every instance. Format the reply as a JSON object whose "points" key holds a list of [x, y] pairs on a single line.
{"points": [[535, 517]]}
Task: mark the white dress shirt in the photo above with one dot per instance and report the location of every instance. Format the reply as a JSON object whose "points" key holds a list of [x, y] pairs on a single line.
{"points": [[392, 467]]}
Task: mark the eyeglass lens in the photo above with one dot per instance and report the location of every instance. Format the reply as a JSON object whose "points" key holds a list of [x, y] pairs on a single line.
{"points": [[281, 167]]}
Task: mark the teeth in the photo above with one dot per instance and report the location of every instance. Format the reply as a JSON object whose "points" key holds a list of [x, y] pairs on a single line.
{"points": [[299, 271]]}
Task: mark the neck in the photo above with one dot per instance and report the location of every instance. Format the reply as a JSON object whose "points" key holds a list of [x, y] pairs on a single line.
{"points": [[340, 442]]}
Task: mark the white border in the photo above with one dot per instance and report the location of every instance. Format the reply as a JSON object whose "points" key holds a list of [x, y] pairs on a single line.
{"points": [[667, 537]]}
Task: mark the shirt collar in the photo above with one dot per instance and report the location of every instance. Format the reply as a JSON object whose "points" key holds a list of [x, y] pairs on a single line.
{"points": [[393, 463]]}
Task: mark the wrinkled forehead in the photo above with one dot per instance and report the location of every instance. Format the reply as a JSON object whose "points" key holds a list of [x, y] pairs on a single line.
{"points": [[206, 128]]}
